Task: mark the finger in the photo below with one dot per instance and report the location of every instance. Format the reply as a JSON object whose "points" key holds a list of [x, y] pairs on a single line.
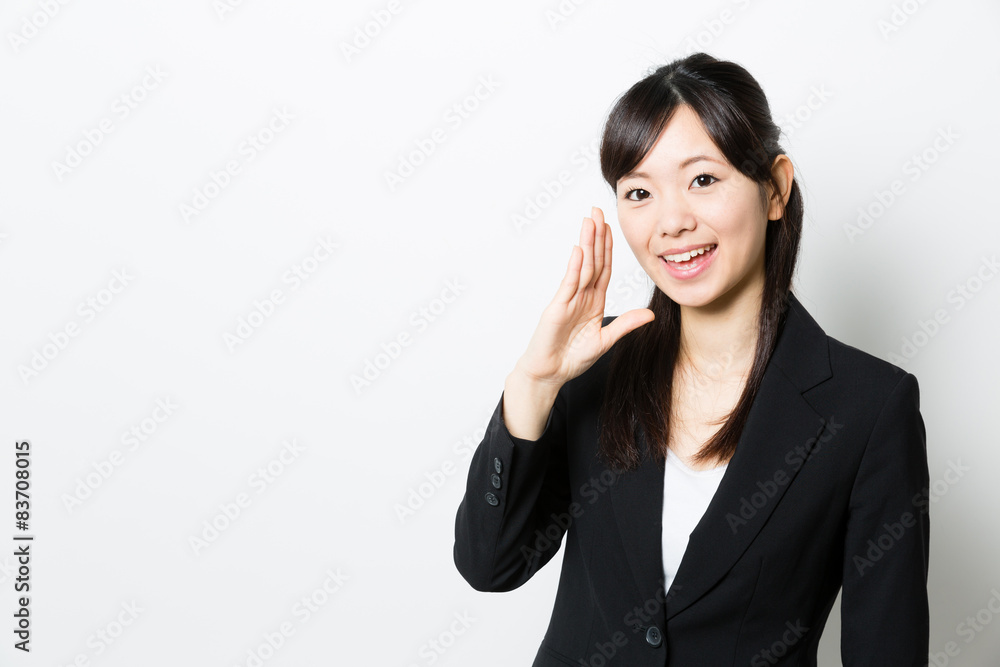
{"points": [[605, 277], [597, 214], [600, 233], [604, 273], [587, 244], [571, 281], [623, 324]]}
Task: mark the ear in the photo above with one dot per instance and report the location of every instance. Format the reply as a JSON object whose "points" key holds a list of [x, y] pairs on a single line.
{"points": [[783, 173]]}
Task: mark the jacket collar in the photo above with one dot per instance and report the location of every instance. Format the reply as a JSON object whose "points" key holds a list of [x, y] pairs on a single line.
{"points": [[781, 423]]}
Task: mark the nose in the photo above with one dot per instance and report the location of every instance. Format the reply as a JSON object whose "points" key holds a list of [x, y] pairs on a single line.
{"points": [[673, 215]]}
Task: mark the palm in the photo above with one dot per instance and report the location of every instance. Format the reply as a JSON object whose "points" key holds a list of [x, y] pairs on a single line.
{"points": [[570, 337]]}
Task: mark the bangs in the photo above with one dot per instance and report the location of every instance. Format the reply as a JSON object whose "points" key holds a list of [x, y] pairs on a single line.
{"points": [[642, 113], [634, 125]]}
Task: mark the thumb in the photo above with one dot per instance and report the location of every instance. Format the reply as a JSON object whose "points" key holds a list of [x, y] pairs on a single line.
{"points": [[625, 323]]}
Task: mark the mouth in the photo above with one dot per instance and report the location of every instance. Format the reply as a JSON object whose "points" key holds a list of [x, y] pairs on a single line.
{"points": [[688, 264], [685, 258]]}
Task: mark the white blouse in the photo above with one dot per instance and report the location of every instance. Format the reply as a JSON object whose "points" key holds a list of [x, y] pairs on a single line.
{"points": [[686, 495]]}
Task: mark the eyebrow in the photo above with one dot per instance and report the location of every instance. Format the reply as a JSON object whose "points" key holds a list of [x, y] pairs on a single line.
{"points": [[685, 163]]}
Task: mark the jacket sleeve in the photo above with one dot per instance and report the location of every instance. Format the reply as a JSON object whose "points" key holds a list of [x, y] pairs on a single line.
{"points": [[885, 617], [514, 514]]}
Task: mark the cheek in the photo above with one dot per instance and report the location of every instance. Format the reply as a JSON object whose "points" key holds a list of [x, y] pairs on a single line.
{"points": [[740, 228], [741, 241]]}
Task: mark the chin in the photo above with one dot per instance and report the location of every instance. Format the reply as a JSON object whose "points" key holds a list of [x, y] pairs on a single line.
{"points": [[690, 301], [691, 296]]}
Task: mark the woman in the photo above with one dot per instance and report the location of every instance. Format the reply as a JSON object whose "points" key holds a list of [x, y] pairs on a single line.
{"points": [[719, 466]]}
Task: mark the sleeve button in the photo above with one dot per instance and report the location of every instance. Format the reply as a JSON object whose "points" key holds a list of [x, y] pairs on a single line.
{"points": [[497, 465], [496, 481], [492, 499]]}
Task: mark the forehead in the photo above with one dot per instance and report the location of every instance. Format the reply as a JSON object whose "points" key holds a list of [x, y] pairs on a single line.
{"points": [[684, 137]]}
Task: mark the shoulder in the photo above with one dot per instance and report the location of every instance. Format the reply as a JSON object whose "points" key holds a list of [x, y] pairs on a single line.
{"points": [[825, 367], [864, 391], [866, 373]]}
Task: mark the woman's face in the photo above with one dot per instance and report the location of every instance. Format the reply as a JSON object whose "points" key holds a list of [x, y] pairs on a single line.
{"points": [[685, 195]]}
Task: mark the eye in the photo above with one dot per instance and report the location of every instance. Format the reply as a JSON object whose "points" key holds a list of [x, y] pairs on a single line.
{"points": [[700, 176], [628, 194]]}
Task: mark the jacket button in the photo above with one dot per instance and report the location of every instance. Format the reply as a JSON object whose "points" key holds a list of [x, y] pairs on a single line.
{"points": [[653, 636], [497, 465], [496, 481], [492, 499]]}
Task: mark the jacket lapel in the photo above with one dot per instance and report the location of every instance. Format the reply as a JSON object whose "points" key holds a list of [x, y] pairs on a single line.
{"points": [[780, 431]]}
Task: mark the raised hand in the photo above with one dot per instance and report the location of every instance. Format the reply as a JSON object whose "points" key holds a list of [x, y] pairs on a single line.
{"points": [[569, 337]]}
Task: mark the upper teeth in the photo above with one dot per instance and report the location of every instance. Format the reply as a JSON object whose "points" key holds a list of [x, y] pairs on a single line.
{"points": [[685, 256]]}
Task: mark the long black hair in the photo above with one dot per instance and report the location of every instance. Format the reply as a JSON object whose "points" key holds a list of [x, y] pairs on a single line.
{"points": [[736, 115]]}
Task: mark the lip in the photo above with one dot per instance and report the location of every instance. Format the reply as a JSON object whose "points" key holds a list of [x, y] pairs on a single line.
{"points": [[703, 261], [677, 251]]}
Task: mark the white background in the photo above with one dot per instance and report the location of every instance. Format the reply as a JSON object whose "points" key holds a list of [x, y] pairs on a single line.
{"points": [[437, 257]]}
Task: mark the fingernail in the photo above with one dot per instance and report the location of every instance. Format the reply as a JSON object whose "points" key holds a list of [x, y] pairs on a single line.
{"points": [[593, 211]]}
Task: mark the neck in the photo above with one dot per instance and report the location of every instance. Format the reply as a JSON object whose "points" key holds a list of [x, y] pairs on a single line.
{"points": [[720, 338]]}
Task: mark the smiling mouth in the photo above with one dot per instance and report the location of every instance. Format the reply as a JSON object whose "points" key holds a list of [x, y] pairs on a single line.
{"points": [[685, 258]]}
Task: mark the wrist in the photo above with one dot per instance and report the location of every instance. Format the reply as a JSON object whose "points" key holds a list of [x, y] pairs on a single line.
{"points": [[527, 384]]}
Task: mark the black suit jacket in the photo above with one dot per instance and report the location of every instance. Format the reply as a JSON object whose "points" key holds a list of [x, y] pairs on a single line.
{"points": [[827, 488]]}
